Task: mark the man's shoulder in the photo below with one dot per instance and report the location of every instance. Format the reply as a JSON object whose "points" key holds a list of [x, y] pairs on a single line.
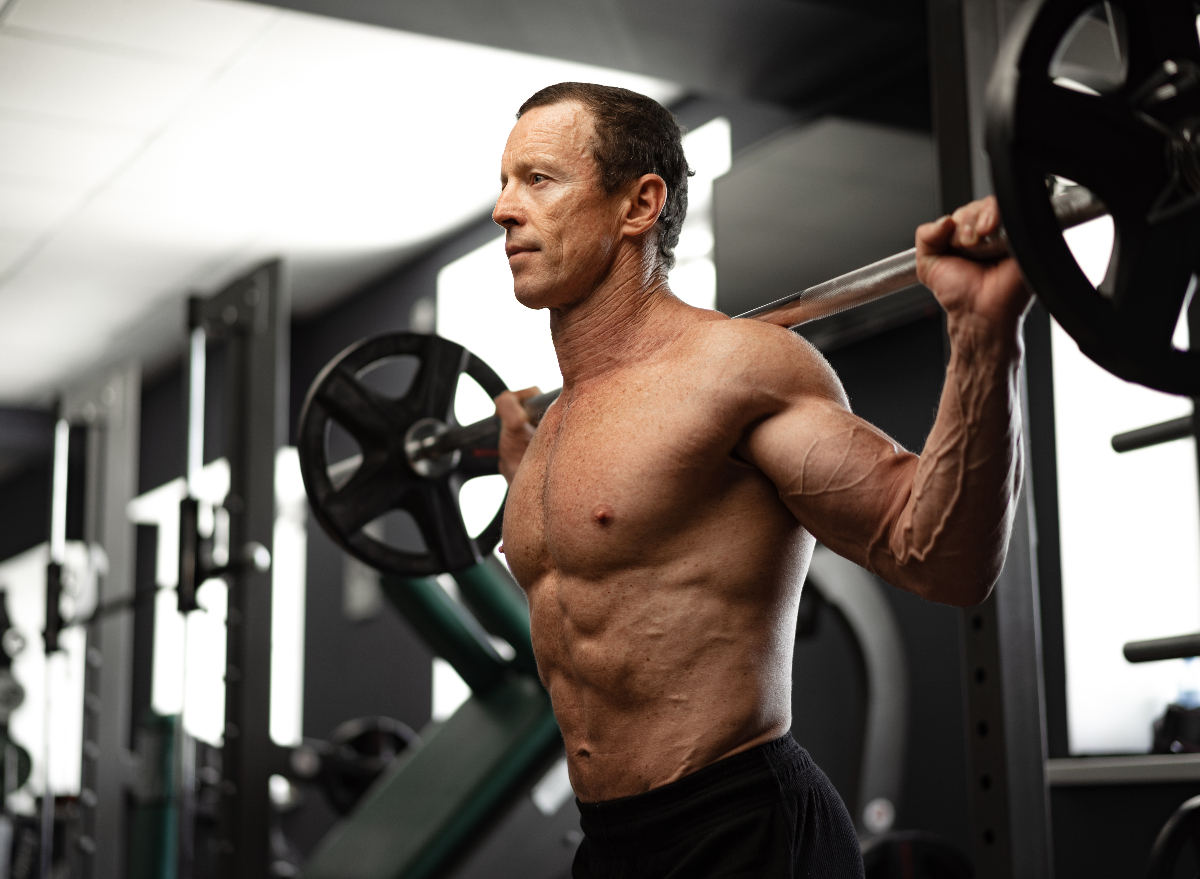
{"points": [[756, 356]]}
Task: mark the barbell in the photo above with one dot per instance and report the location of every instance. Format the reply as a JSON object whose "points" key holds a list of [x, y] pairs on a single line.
{"points": [[1062, 151]]}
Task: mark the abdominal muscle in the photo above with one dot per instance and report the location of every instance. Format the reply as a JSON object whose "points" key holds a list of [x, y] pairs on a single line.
{"points": [[658, 670]]}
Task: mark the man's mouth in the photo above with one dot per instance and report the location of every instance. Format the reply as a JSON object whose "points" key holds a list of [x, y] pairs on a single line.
{"points": [[511, 250]]}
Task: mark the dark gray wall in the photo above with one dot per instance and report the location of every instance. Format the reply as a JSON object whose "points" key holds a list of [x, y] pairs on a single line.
{"points": [[25, 507], [1107, 830], [816, 201], [829, 698], [894, 381]]}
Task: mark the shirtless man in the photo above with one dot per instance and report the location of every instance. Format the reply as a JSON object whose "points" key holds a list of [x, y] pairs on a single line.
{"points": [[662, 515]]}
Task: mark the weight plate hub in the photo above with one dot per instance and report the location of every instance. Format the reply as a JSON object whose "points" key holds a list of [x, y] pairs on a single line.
{"points": [[386, 478], [1135, 146]]}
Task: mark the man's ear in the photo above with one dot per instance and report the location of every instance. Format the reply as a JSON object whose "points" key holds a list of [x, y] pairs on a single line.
{"points": [[646, 199]]}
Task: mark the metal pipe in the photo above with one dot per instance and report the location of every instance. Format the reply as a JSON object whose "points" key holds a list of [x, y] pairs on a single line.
{"points": [[1153, 435], [448, 628], [1176, 647]]}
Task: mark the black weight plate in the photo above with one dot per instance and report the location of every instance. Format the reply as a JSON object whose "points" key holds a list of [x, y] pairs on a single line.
{"points": [[1117, 144], [359, 751], [384, 480]]}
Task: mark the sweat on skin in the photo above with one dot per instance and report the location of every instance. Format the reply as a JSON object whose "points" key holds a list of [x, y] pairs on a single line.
{"points": [[662, 515]]}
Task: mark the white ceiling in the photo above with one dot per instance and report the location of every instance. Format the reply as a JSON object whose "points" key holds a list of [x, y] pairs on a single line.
{"points": [[150, 148]]}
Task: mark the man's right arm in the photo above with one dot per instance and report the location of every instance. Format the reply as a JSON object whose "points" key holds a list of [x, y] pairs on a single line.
{"points": [[516, 430], [937, 525]]}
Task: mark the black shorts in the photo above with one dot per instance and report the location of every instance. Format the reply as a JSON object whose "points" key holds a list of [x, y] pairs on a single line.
{"points": [[766, 813]]}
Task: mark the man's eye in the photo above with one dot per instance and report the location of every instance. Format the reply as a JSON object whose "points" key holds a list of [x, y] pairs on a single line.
{"points": [[538, 178]]}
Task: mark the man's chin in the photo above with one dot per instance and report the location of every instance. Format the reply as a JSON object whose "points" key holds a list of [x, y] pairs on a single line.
{"points": [[530, 297]]}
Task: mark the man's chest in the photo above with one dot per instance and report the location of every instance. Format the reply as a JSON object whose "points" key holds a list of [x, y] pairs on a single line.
{"points": [[603, 481]]}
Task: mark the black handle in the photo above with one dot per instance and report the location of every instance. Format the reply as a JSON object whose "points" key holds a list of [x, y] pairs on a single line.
{"points": [[1177, 647]]}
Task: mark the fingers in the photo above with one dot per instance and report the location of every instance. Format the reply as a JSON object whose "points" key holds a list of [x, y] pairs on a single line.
{"points": [[516, 429], [933, 240], [528, 393], [969, 231], [935, 237], [510, 409], [975, 221]]}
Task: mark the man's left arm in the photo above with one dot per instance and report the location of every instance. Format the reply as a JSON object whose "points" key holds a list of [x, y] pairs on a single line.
{"points": [[937, 525]]}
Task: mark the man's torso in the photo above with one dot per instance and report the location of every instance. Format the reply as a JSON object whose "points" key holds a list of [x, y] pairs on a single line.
{"points": [[662, 572]]}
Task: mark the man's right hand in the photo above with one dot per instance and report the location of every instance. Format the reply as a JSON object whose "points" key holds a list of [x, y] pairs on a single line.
{"points": [[516, 431]]}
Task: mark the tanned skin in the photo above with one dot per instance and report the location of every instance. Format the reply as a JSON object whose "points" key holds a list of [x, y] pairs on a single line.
{"points": [[662, 516]]}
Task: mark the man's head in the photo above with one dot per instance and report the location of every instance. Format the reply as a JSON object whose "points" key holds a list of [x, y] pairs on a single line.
{"points": [[585, 167]]}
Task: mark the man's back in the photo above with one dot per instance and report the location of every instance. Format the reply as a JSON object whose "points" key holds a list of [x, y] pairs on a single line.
{"points": [[663, 571]]}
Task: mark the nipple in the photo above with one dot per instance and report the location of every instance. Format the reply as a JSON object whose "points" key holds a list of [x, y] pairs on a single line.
{"points": [[603, 514]]}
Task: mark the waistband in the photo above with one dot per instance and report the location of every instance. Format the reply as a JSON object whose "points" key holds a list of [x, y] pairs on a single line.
{"points": [[728, 787]]}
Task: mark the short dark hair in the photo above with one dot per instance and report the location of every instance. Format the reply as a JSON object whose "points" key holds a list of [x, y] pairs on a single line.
{"points": [[635, 135]]}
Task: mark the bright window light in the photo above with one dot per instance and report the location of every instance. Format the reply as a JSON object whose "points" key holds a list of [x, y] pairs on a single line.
{"points": [[476, 308], [1129, 527], [203, 684], [196, 687], [288, 578], [1091, 243], [201, 641], [24, 579], [709, 153], [449, 690]]}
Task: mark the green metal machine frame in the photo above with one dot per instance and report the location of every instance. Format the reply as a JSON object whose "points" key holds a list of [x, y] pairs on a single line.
{"points": [[423, 813]]}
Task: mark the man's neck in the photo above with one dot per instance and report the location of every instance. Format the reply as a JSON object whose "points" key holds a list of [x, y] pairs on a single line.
{"points": [[627, 316]]}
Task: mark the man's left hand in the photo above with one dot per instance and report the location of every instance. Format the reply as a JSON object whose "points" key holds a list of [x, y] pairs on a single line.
{"points": [[992, 289]]}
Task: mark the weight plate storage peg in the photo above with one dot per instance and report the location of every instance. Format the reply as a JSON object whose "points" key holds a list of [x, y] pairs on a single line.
{"points": [[1133, 139], [400, 466]]}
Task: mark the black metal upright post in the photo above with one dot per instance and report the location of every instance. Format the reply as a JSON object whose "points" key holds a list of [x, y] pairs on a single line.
{"points": [[1006, 730], [1193, 325], [110, 408], [251, 316]]}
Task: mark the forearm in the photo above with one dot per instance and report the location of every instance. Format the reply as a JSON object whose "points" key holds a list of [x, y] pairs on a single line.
{"points": [[949, 539]]}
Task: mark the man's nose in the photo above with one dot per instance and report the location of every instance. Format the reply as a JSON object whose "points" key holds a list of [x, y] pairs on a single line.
{"points": [[505, 212]]}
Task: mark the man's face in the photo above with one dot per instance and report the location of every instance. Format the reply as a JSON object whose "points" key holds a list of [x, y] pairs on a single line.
{"points": [[561, 230]]}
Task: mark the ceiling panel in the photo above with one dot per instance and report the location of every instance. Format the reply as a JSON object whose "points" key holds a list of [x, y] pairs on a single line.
{"points": [[57, 155], [203, 32], [13, 245], [116, 93], [340, 147], [26, 208]]}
